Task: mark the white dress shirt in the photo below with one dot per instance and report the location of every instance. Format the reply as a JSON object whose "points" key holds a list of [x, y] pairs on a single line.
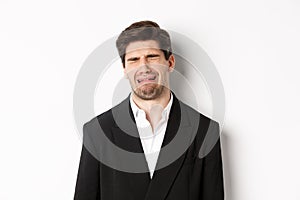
{"points": [[151, 140]]}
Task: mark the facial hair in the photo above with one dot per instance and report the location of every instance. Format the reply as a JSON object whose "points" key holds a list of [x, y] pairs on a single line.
{"points": [[149, 91]]}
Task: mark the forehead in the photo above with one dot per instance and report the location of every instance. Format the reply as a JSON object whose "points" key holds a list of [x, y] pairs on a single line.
{"points": [[142, 46]]}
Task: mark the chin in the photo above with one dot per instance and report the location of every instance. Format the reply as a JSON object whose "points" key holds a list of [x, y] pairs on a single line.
{"points": [[149, 92]]}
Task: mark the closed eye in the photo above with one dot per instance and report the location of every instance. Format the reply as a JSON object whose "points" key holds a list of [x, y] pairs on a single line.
{"points": [[133, 59], [149, 56], [152, 55]]}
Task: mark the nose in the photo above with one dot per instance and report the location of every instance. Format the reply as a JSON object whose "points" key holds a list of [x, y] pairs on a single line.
{"points": [[144, 65], [143, 60]]}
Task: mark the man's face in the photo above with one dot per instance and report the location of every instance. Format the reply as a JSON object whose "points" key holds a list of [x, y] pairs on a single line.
{"points": [[147, 69]]}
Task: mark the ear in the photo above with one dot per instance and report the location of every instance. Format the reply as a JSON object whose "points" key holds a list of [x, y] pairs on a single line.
{"points": [[125, 73], [171, 62]]}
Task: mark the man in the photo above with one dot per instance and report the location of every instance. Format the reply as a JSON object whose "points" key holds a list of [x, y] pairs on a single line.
{"points": [[180, 160]]}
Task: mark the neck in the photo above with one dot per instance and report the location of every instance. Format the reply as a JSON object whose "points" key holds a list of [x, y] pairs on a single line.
{"points": [[153, 108]]}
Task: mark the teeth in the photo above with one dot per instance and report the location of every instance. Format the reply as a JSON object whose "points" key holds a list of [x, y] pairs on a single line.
{"points": [[143, 79]]}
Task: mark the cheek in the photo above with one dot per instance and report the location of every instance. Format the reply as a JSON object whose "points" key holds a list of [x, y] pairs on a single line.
{"points": [[163, 72], [130, 72]]}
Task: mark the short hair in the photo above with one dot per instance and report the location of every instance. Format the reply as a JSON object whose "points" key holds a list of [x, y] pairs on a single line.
{"points": [[141, 31]]}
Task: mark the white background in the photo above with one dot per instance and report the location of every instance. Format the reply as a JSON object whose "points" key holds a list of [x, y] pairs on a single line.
{"points": [[254, 44]]}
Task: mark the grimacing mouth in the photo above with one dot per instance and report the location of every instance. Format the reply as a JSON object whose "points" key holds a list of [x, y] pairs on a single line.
{"points": [[150, 77]]}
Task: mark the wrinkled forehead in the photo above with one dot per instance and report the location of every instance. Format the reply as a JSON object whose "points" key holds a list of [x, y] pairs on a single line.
{"points": [[142, 45]]}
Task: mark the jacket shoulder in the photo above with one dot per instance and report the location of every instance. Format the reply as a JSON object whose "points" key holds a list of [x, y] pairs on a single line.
{"points": [[106, 118], [192, 114]]}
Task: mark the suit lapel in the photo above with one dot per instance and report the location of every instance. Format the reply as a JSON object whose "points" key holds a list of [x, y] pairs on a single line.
{"points": [[126, 136], [140, 183], [164, 177]]}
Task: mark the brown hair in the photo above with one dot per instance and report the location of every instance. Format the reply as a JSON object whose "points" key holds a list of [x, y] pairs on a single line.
{"points": [[144, 30]]}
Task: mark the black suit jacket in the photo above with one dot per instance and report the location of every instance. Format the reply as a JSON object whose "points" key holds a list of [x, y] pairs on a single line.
{"points": [[196, 174]]}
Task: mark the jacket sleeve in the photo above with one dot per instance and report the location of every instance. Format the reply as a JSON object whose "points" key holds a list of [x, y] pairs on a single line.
{"points": [[88, 178], [212, 185]]}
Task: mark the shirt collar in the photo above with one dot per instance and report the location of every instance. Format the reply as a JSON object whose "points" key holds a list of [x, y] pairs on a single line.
{"points": [[137, 112]]}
